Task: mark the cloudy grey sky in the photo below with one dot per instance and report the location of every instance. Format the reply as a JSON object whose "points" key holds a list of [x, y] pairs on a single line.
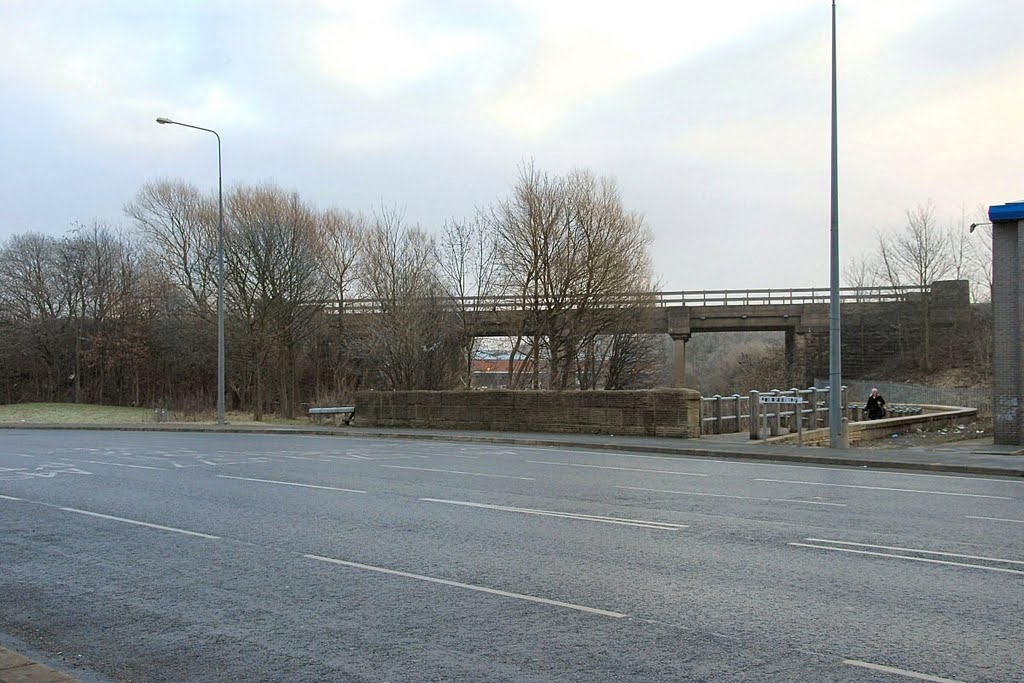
{"points": [[713, 116]]}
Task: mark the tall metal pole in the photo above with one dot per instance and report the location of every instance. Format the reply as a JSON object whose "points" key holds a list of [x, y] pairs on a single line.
{"points": [[220, 288], [835, 379], [220, 267]]}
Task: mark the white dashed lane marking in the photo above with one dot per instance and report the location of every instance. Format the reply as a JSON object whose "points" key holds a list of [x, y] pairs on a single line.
{"points": [[722, 495], [643, 523], [897, 554], [882, 488], [997, 519], [906, 673], [139, 523], [290, 483], [472, 474], [468, 586], [609, 467]]}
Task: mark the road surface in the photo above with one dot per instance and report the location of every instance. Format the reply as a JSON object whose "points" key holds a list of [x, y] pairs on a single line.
{"points": [[213, 557]]}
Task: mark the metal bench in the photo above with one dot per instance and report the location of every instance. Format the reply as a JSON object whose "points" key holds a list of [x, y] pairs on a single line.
{"points": [[319, 414]]}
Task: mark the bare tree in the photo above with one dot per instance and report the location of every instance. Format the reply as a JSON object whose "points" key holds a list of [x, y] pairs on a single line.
{"points": [[578, 261], [341, 233], [180, 226], [412, 338], [918, 255], [467, 260], [861, 272], [275, 286], [37, 311]]}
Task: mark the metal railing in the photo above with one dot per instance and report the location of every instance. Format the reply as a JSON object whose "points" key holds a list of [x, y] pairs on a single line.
{"points": [[708, 297], [739, 413]]}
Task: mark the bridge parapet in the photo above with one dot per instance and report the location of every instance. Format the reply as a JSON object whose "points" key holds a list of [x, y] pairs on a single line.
{"points": [[666, 299]]}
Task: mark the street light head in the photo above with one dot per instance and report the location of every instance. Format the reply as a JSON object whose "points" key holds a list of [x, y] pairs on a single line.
{"points": [[163, 119]]}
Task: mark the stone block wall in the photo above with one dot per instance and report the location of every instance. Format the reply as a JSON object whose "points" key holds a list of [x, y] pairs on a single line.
{"points": [[658, 412], [873, 333]]}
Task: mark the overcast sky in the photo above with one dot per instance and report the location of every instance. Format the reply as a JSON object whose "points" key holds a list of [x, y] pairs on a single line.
{"points": [[712, 116]]}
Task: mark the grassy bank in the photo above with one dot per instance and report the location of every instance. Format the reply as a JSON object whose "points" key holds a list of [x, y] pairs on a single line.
{"points": [[74, 413]]}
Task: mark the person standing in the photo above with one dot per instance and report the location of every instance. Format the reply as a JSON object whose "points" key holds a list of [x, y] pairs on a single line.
{"points": [[875, 405]]}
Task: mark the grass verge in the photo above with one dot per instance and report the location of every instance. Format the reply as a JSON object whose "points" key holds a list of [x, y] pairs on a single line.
{"points": [[80, 413]]}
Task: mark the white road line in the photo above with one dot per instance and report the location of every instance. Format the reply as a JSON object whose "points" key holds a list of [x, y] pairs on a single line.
{"points": [[899, 672], [883, 488], [137, 522], [472, 474], [906, 557], [914, 550], [643, 523], [664, 457], [608, 467], [722, 495], [996, 519], [469, 586], [292, 457], [875, 469], [121, 464], [291, 483], [9, 498], [960, 477]]}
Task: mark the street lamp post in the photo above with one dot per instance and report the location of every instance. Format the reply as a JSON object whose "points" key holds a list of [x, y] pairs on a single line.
{"points": [[220, 268], [835, 364]]}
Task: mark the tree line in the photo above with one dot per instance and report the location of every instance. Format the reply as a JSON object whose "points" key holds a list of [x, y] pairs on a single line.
{"points": [[128, 314]]}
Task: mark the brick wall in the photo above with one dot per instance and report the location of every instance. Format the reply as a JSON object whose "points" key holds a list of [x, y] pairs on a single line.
{"points": [[1007, 309], [658, 412]]}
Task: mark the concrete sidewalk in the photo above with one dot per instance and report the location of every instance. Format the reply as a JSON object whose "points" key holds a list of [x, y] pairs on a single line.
{"points": [[979, 457], [15, 668]]}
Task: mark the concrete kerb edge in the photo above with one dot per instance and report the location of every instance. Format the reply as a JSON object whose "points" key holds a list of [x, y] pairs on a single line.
{"points": [[668, 451]]}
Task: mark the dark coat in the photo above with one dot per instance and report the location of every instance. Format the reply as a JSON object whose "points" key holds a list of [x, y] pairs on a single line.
{"points": [[876, 407]]}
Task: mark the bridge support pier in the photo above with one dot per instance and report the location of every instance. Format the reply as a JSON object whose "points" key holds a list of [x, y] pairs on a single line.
{"points": [[796, 357], [679, 360]]}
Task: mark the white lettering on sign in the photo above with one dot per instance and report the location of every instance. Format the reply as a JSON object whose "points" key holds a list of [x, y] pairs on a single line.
{"points": [[781, 399]]}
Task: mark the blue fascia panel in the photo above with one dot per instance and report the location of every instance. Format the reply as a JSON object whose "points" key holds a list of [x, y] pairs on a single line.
{"points": [[1006, 212]]}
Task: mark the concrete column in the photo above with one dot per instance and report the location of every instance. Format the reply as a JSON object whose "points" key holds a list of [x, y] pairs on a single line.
{"points": [[1007, 313], [679, 360], [812, 421], [755, 415], [796, 356]]}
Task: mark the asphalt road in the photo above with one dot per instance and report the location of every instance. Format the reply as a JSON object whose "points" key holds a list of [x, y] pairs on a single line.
{"points": [[211, 557]]}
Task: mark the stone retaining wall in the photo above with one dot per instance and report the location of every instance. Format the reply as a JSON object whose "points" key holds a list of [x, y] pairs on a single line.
{"points": [[858, 390], [933, 417], [658, 412]]}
